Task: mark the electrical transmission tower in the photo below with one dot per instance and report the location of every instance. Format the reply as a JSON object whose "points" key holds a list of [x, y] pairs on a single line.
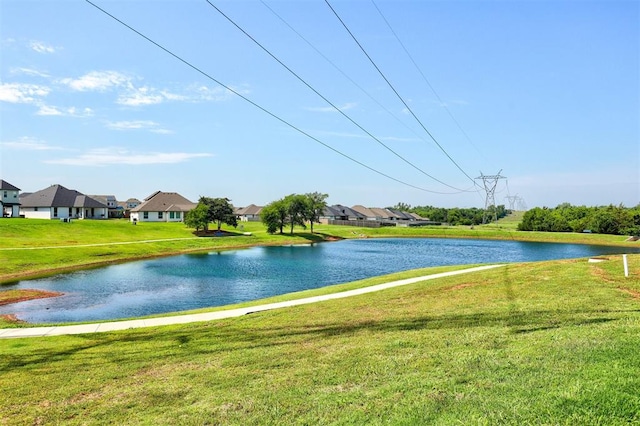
{"points": [[516, 202], [512, 201], [490, 182]]}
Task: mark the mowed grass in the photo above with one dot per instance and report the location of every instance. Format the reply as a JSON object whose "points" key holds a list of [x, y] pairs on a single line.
{"points": [[29, 247], [536, 343]]}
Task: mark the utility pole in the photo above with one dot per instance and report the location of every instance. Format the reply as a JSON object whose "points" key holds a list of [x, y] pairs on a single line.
{"points": [[490, 182]]}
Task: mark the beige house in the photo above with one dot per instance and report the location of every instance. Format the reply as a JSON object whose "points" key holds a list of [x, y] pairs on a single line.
{"points": [[251, 213], [162, 207]]}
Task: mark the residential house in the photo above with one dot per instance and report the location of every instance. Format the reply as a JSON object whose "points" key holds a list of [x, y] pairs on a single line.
{"points": [[114, 209], [162, 207], [10, 201], [383, 214], [339, 212], [132, 203], [251, 213], [366, 213], [126, 206], [58, 202], [400, 215]]}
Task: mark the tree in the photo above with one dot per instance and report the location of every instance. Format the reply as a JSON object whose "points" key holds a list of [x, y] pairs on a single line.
{"points": [[315, 207], [297, 210], [274, 216], [403, 207], [220, 211], [198, 217]]}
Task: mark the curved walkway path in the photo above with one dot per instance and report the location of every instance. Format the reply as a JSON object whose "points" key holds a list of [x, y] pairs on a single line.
{"points": [[210, 316]]}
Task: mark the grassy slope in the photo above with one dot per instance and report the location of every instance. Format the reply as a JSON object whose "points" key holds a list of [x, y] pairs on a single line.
{"points": [[536, 343]]}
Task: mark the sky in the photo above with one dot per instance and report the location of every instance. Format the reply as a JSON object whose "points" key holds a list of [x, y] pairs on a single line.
{"points": [[373, 102]]}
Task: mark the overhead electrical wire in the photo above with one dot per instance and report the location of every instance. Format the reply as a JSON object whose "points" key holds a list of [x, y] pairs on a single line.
{"points": [[424, 77], [325, 99], [263, 109], [337, 68], [396, 92]]}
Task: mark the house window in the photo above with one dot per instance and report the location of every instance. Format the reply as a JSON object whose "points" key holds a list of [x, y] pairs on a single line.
{"points": [[177, 215], [145, 215], [5, 194], [55, 212], [159, 215], [70, 211], [35, 209], [171, 215]]}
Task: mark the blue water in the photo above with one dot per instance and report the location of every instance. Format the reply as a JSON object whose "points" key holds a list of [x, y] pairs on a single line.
{"points": [[221, 278]]}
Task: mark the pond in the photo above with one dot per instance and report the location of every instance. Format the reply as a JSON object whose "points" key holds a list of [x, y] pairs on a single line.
{"points": [[221, 278]]}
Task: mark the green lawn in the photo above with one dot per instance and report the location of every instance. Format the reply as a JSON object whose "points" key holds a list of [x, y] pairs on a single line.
{"points": [[535, 343]]}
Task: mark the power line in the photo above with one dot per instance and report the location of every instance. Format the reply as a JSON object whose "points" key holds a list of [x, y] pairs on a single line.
{"points": [[190, 65], [325, 99], [396, 92], [424, 77], [337, 68]]}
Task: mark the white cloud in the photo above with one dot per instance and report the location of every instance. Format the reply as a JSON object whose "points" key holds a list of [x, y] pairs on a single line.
{"points": [[19, 93], [345, 107], [28, 71], [67, 112], [150, 96], [41, 47], [97, 81], [162, 131], [119, 156], [205, 93], [141, 96], [28, 144], [129, 125]]}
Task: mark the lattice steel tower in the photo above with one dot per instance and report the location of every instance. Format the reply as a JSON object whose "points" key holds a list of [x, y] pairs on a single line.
{"points": [[490, 182]]}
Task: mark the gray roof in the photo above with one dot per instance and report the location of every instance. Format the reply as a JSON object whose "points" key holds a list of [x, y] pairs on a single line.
{"points": [[59, 196], [401, 215], [340, 210], [4, 185], [251, 209], [165, 201]]}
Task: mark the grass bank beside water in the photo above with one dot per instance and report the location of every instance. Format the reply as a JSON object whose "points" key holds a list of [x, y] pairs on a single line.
{"points": [[535, 343], [31, 248]]}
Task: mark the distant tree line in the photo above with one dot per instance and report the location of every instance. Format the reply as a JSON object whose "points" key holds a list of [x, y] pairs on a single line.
{"points": [[454, 216], [616, 220]]}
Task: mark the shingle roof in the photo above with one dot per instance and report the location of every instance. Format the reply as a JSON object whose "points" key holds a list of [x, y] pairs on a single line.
{"points": [[251, 209], [59, 196], [165, 201], [383, 213], [4, 185], [365, 211], [400, 214], [340, 210]]}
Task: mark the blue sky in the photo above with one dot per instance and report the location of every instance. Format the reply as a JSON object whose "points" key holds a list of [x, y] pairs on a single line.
{"points": [[546, 91]]}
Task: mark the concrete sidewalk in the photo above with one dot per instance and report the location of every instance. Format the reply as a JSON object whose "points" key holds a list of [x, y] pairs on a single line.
{"points": [[8, 333]]}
